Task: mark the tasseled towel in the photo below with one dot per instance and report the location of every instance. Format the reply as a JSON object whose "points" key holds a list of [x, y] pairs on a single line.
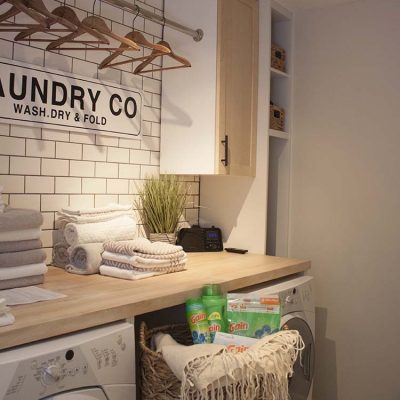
{"points": [[261, 372]]}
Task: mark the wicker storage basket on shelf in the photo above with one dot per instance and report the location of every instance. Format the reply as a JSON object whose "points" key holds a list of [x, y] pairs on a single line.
{"points": [[276, 117], [157, 381], [278, 58]]}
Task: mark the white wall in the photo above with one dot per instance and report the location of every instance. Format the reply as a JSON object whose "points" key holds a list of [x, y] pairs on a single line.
{"points": [[346, 192], [46, 169]]}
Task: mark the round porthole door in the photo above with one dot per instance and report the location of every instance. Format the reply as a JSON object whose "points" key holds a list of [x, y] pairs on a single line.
{"points": [[300, 382]]}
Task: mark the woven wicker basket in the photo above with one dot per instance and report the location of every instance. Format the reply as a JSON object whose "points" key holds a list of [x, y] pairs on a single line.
{"points": [[157, 381], [276, 117], [278, 58]]}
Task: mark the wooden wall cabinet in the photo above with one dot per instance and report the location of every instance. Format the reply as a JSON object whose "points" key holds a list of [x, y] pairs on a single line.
{"points": [[209, 111]]}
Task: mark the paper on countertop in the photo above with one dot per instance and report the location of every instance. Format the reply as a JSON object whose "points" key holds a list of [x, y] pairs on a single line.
{"points": [[27, 295]]}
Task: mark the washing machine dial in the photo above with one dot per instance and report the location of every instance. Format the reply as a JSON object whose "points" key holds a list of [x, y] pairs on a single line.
{"points": [[289, 300], [51, 374]]}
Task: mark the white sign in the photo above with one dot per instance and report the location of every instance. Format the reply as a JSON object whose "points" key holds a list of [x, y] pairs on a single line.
{"points": [[32, 95]]}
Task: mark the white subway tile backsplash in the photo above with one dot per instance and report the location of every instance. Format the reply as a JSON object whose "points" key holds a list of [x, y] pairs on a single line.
{"points": [[129, 171], [81, 168], [24, 166], [56, 61], [106, 170], [116, 154], [25, 131], [5, 129], [129, 143], [117, 186], [68, 185], [86, 138], [101, 200], [139, 157], [12, 183], [94, 153], [47, 169], [54, 167], [151, 85], [147, 171], [40, 148], [4, 164], [39, 184], [53, 134], [102, 140], [28, 54], [151, 143], [81, 201], [94, 185], [48, 220], [54, 202], [25, 201], [70, 151], [12, 146]]}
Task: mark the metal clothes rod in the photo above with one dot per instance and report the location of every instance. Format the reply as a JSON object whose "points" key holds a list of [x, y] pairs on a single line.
{"points": [[196, 34]]}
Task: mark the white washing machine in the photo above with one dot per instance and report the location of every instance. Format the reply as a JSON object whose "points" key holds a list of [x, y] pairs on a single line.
{"points": [[95, 364], [298, 312]]}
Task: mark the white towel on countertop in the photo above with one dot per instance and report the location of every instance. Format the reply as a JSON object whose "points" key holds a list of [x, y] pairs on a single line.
{"points": [[99, 210], [120, 228], [140, 262], [64, 218], [141, 245], [125, 273], [24, 234], [23, 270]]}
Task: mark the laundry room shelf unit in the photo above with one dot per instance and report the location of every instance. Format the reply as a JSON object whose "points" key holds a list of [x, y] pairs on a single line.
{"points": [[280, 141]]}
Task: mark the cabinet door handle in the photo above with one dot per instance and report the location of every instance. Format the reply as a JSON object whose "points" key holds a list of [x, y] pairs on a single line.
{"points": [[225, 143]]}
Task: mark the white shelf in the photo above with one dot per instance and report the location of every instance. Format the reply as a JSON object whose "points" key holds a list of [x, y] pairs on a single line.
{"points": [[275, 73], [279, 134]]}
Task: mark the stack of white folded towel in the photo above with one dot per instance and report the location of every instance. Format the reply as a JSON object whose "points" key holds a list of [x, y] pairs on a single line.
{"points": [[140, 258], [83, 232], [22, 259], [2, 205]]}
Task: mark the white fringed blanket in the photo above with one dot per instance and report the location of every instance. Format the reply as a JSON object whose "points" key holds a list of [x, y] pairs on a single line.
{"points": [[211, 372]]}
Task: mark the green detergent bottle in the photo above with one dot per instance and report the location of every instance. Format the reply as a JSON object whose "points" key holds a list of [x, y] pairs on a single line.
{"points": [[216, 307], [197, 319]]}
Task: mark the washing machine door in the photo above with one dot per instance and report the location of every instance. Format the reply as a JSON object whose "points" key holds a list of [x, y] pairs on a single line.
{"points": [[82, 394], [300, 382]]}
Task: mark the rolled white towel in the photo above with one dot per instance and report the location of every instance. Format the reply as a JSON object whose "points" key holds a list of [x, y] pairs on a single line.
{"points": [[120, 228]]}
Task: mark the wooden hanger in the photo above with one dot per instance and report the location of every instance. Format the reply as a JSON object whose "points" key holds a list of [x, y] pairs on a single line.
{"points": [[34, 9], [139, 39], [91, 24], [61, 15], [184, 63]]}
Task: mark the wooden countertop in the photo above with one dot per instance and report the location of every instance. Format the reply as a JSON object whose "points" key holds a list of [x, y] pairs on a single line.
{"points": [[95, 300]]}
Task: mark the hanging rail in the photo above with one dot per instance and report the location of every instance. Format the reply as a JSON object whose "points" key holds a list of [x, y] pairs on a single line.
{"points": [[197, 34]]}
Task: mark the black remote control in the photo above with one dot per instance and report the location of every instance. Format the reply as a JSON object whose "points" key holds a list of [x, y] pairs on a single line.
{"points": [[235, 250]]}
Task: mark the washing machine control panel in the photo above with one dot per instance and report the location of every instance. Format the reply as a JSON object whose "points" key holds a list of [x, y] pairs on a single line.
{"points": [[297, 299], [59, 365]]}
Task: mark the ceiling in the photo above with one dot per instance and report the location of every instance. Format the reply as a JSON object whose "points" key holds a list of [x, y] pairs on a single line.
{"points": [[307, 4]]}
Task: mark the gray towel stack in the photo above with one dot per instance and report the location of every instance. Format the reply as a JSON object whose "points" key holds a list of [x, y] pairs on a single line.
{"points": [[22, 259], [83, 231]]}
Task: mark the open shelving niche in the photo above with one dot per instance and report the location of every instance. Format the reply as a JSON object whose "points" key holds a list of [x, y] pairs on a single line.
{"points": [[280, 141]]}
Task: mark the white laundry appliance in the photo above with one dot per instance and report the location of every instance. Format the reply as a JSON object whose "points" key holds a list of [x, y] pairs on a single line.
{"points": [[298, 313], [95, 364]]}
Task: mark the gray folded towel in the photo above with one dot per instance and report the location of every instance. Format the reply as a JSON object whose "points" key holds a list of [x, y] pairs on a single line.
{"points": [[18, 258], [20, 245], [15, 219], [20, 282], [85, 259]]}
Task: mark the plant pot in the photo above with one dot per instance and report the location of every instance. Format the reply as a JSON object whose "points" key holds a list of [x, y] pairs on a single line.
{"points": [[163, 237]]}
